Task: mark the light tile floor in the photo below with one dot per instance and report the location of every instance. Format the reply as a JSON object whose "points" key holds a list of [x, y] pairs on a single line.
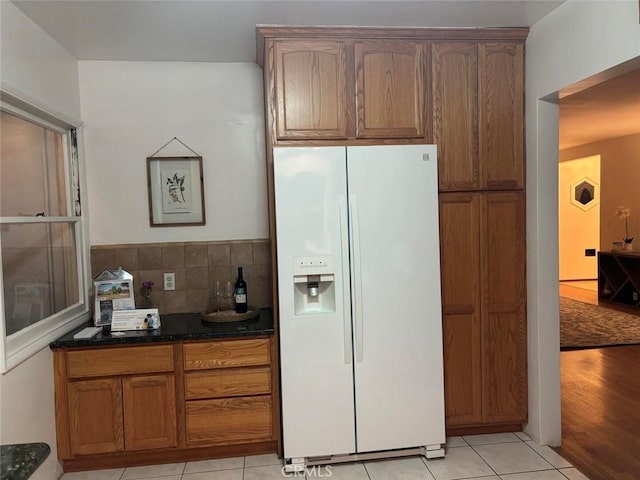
{"points": [[505, 456]]}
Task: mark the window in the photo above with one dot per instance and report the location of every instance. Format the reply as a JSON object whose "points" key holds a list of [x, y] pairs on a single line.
{"points": [[42, 245]]}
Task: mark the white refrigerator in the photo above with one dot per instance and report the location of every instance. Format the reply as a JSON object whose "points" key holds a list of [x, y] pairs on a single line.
{"points": [[360, 327]]}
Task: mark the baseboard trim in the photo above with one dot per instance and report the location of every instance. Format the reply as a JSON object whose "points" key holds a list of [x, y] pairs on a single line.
{"points": [[150, 457], [483, 429]]}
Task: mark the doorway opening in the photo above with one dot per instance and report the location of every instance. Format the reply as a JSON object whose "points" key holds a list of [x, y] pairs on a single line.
{"points": [[599, 150], [579, 227]]}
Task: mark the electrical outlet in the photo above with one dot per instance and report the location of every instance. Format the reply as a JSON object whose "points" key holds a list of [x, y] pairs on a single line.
{"points": [[635, 296], [169, 281]]}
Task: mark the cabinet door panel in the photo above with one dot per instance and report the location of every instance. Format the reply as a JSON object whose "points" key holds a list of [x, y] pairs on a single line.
{"points": [[462, 369], [504, 343], [460, 271], [149, 412], [311, 89], [95, 416], [454, 74], [389, 89], [229, 420], [504, 368], [501, 93]]}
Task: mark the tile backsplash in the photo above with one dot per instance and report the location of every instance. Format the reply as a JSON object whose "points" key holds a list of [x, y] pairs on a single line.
{"points": [[197, 266]]}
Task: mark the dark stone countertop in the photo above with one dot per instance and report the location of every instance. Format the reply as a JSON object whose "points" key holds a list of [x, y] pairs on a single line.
{"points": [[174, 327], [18, 462]]}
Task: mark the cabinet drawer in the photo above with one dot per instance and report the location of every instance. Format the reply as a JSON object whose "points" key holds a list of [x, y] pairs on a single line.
{"points": [[119, 361], [228, 383], [228, 353], [229, 420]]}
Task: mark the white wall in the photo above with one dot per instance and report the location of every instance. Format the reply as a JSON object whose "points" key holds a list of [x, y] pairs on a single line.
{"points": [[575, 41], [130, 109], [620, 179], [27, 409], [36, 68], [578, 225]]}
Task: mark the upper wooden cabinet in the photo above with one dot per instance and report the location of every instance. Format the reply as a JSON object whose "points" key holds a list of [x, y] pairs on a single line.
{"points": [[454, 73], [501, 115], [324, 89], [477, 114], [389, 89], [311, 89]]}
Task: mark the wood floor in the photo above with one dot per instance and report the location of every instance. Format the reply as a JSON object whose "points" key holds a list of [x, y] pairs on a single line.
{"points": [[601, 411], [581, 291], [601, 407]]}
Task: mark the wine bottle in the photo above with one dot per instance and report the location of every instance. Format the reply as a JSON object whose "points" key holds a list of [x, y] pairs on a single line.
{"points": [[240, 293]]}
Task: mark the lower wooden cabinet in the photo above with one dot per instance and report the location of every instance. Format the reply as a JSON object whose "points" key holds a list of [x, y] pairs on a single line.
{"points": [[484, 326], [149, 412], [186, 399], [228, 399], [95, 416], [113, 415], [120, 412], [237, 382], [229, 420]]}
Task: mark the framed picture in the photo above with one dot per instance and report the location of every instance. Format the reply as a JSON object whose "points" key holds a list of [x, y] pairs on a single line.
{"points": [[176, 191]]}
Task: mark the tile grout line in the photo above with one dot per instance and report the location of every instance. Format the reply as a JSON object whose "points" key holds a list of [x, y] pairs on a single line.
{"points": [[541, 456], [366, 470], [514, 473], [562, 473], [482, 458]]}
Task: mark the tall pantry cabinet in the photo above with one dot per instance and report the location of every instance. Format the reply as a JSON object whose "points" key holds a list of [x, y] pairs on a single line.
{"points": [[463, 90], [478, 94]]}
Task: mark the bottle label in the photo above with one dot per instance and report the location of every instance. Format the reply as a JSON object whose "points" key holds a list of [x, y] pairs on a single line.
{"points": [[241, 298]]}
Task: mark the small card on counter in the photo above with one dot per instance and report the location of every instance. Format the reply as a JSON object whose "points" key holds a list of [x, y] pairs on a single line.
{"points": [[141, 319], [88, 332]]}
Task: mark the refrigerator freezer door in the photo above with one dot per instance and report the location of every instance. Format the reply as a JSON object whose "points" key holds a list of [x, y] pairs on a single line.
{"points": [[315, 349], [398, 344]]}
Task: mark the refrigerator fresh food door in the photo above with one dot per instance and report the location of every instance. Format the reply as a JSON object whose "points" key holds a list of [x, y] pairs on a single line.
{"points": [[393, 202], [315, 331]]}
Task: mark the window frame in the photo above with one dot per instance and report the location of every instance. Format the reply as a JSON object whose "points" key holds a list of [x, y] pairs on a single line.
{"points": [[19, 346]]}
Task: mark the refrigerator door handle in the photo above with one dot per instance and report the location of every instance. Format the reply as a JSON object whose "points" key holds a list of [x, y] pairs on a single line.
{"points": [[346, 300], [357, 276]]}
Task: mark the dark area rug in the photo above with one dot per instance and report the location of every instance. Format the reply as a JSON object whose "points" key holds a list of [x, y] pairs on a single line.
{"points": [[583, 325]]}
